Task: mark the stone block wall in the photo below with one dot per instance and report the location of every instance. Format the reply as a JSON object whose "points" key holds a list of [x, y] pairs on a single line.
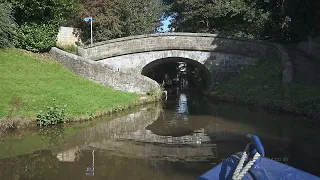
{"points": [[100, 73], [223, 66], [177, 41], [66, 36]]}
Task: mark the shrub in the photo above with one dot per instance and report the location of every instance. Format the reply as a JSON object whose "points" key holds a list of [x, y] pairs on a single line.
{"points": [[52, 115], [7, 26], [37, 37]]}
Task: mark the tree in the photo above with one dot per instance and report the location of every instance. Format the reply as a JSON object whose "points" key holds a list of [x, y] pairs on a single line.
{"points": [[7, 26], [232, 17], [140, 16], [253, 18], [304, 16], [118, 18], [35, 11], [39, 21]]}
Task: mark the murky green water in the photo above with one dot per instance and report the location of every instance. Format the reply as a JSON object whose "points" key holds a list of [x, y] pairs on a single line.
{"points": [[177, 140]]}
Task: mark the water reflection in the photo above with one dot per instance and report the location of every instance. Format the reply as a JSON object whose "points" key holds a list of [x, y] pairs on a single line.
{"points": [[180, 139], [90, 170], [55, 135], [183, 105]]}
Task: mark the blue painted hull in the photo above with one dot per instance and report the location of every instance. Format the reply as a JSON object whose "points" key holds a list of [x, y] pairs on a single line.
{"points": [[263, 169]]}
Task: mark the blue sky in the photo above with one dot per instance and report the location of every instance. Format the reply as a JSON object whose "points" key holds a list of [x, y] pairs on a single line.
{"points": [[166, 24]]}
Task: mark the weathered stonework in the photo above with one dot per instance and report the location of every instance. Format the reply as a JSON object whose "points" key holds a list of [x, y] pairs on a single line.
{"points": [[222, 56], [100, 73], [219, 65]]}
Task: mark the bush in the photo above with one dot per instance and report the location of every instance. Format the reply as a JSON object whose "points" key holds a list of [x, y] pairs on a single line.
{"points": [[37, 37], [7, 26], [52, 115]]}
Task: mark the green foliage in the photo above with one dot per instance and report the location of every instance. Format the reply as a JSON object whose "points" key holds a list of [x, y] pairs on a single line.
{"points": [[52, 115], [139, 16], [27, 11], [39, 21], [262, 85], [250, 18], [118, 18], [234, 17], [37, 37], [7, 26]]}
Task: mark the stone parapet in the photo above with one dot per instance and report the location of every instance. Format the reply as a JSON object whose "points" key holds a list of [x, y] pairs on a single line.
{"points": [[177, 41]]}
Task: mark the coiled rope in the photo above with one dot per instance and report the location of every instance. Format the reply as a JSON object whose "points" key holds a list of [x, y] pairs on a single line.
{"points": [[240, 171]]}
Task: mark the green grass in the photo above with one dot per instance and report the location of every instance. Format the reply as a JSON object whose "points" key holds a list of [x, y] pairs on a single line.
{"points": [[262, 85], [35, 82]]}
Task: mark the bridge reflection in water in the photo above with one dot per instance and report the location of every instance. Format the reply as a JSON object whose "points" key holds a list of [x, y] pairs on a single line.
{"points": [[179, 139], [132, 136], [171, 135]]}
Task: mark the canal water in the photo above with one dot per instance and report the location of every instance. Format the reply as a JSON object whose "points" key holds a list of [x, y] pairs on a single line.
{"points": [[178, 139]]}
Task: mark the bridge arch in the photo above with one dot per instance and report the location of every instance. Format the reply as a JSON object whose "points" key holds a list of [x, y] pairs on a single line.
{"points": [[205, 76]]}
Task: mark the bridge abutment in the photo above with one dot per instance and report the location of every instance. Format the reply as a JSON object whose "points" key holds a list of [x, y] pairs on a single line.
{"points": [[103, 74]]}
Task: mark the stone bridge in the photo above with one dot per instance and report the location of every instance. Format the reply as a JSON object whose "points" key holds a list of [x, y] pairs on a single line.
{"points": [[219, 56]]}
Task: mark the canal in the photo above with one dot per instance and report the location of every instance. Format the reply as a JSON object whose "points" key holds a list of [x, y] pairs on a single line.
{"points": [[178, 139]]}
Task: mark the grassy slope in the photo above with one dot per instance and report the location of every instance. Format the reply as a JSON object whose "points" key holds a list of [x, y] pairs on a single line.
{"points": [[262, 85], [36, 82]]}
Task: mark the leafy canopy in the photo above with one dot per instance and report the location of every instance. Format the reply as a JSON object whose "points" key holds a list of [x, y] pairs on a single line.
{"points": [[217, 16], [118, 18], [39, 11], [251, 18]]}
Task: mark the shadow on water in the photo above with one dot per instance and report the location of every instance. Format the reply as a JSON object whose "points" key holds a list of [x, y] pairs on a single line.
{"points": [[179, 139]]}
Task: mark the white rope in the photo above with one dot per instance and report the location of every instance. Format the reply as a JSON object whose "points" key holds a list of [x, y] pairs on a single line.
{"points": [[240, 172], [240, 164]]}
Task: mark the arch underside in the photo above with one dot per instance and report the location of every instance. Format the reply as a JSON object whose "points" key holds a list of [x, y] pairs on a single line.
{"points": [[162, 66]]}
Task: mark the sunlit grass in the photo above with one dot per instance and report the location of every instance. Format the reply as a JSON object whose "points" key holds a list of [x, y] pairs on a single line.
{"points": [[36, 82]]}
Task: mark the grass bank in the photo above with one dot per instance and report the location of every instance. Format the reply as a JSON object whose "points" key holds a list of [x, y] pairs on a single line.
{"points": [[261, 85], [29, 83]]}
